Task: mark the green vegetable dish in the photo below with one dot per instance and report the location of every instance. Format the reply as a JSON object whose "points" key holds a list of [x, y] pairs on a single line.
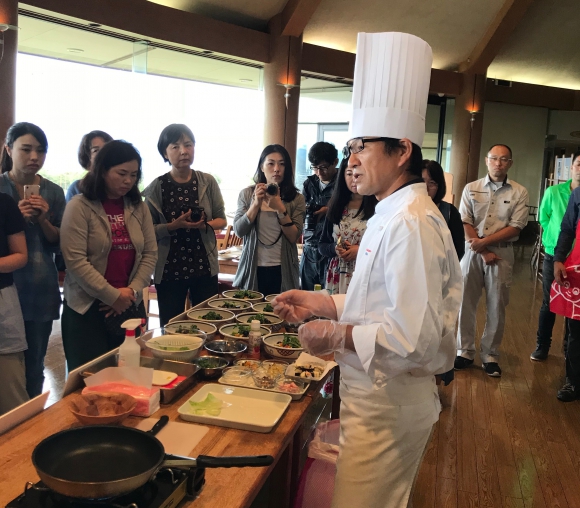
{"points": [[244, 294], [268, 308], [212, 316], [208, 363], [230, 305], [241, 331], [261, 318], [211, 406], [289, 341], [185, 329]]}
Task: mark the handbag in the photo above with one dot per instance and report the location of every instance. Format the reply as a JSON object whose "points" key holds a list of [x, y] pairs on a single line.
{"points": [[113, 323]]}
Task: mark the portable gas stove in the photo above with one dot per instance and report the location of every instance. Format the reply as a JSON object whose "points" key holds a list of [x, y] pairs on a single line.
{"points": [[166, 490]]}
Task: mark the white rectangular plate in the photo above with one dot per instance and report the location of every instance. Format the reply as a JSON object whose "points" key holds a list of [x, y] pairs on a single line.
{"points": [[249, 383], [247, 409]]}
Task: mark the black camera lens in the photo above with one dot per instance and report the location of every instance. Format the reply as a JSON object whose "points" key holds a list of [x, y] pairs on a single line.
{"points": [[272, 189]]}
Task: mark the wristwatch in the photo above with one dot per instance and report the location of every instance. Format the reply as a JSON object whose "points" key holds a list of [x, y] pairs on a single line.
{"points": [[282, 215]]}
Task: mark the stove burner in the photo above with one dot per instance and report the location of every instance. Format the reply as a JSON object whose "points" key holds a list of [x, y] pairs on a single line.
{"points": [[168, 488]]}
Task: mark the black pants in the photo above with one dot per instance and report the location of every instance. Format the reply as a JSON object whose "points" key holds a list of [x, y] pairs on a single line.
{"points": [[547, 318], [313, 267], [573, 353], [171, 294], [84, 336], [269, 279]]}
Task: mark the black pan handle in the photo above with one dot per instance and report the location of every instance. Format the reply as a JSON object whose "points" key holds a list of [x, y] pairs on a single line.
{"points": [[159, 425], [247, 461]]}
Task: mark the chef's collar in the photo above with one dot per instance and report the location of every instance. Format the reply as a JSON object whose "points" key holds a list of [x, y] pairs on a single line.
{"points": [[411, 182]]}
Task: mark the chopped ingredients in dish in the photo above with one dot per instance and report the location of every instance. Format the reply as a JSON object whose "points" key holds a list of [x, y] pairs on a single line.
{"points": [[244, 294], [212, 316], [310, 370], [275, 369], [241, 331], [268, 308], [230, 305], [261, 318], [208, 363], [289, 386], [186, 329], [251, 364], [289, 341]]}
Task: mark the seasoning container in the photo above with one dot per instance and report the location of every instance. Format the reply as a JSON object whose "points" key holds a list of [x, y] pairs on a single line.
{"points": [[254, 340]]}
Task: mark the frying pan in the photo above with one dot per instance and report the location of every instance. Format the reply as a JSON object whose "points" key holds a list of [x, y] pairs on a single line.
{"points": [[100, 462]]}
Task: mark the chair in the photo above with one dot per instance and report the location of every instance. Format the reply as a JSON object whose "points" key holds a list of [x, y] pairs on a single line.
{"points": [[231, 239]]}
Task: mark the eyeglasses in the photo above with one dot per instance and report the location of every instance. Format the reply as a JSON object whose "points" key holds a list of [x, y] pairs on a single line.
{"points": [[357, 145], [503, 160], [321, 167]]}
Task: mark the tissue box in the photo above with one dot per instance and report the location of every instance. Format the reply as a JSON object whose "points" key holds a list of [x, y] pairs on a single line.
{"points": [[134, 381]]}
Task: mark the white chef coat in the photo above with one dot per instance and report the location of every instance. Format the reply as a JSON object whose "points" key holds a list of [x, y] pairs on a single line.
{"points": [[403, 299], [404, 296]]}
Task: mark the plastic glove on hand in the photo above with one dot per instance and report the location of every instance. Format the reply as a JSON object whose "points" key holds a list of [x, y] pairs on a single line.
{"points": [[323, 337], [296, 306]]}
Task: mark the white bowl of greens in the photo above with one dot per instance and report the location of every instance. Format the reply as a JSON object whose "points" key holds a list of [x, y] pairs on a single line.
{"points": [[244, 294], [231, 304], [217, 317], [191, 328], [240, 331]]}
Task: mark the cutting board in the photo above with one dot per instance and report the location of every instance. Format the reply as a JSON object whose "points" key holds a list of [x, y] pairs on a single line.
{"points": [[177, 438]]}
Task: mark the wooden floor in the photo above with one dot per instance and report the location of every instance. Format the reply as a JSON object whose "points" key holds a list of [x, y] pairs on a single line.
{"points": [[504, 442]]}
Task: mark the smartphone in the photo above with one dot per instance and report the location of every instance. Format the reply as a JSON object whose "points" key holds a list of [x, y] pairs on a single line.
{"points": [[31, 190]]}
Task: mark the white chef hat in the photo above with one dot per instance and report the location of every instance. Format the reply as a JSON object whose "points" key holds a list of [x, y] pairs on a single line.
{"points": [[391, 86]]}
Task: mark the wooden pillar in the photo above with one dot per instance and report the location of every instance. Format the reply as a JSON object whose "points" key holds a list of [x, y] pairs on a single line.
{"points": [[281, 122], [467, 131], [8, 16]]}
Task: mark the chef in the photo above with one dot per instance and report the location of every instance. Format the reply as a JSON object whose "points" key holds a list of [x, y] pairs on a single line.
{"points": [[394, 329]]}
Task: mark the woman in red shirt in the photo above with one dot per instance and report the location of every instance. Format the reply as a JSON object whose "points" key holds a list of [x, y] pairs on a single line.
{"points": [[108, 244]]}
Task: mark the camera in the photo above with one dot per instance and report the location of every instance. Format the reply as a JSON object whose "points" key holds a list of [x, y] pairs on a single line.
{"points": [[311, 220], [272, 189], [196, 213]]}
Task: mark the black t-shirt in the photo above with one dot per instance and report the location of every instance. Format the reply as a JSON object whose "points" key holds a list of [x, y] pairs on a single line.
{"points": [[11, 222]]}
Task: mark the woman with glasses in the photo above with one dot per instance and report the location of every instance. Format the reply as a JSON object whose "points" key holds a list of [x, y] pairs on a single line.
{"points": [[90, 145], [343, 229], [269, 218], [434, 177]]}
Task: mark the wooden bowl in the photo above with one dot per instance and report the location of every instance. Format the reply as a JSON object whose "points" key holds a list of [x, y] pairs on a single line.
{"points": [[101, 408]]}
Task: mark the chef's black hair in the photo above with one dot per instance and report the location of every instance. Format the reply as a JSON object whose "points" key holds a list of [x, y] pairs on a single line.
{"points": [[16, 131], [436, 174], [322, 152], [172, 134], [416, 159], [341, 196]]}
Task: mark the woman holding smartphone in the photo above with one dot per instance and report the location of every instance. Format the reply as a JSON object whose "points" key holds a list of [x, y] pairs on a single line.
{"points": [[186, 206], [270, 218], [343, 229], [41, 203]]}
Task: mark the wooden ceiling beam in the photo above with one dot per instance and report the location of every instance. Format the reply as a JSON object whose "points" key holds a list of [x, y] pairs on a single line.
{"points": [[164, 23], [503, 25], [296, 15]]}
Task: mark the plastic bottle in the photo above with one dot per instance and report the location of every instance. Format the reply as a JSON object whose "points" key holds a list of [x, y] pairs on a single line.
{"points": [[317, 287], [130, 352], [254, 340]]}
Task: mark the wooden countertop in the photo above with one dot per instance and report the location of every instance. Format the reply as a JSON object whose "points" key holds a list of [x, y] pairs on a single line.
{"points": [[231, 488]]}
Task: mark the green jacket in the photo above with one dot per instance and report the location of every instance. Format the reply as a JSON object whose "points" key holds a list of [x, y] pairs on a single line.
{"points": [[552, 209]]}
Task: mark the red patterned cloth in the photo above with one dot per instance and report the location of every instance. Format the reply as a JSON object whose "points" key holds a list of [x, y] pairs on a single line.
{"points": [[565, 299]]}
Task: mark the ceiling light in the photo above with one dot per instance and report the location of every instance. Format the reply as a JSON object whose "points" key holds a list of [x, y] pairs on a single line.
{"points": [[75, 50], [6, 26]]}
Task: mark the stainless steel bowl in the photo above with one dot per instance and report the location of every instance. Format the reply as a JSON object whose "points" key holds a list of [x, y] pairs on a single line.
{"points": [[211, 372], [229, 349]]}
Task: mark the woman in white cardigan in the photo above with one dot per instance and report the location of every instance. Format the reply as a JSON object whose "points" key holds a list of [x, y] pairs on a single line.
{"points": [[109, 247]]}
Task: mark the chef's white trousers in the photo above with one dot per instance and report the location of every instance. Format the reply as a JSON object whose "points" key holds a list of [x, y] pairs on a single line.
{"points": [[380, 450], [496, 280]]}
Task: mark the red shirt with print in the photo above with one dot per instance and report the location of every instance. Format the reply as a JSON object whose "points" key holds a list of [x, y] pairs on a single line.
{"points": [[122, 255]]}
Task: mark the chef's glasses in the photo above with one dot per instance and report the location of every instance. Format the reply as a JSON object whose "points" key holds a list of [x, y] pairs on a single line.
{"points": [[357, 145]]}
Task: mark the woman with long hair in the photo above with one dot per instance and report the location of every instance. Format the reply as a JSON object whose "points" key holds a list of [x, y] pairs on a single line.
{"points": [[270, 218], [42, 203], [187, 207], [343, 229], [434, 178], [89, 147], [108, 244]]}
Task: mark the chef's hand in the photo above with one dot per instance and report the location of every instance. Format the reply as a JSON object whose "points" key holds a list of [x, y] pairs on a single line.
{"points": [[323, 337], [295, 306], [559, 272]]}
